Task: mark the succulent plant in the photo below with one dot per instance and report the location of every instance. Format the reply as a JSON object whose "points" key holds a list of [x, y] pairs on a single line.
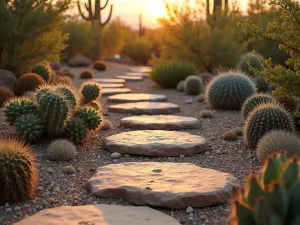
{"points": [[64, 80], [16, 107], [87, 74], [54, 111], [193, 85], [61, 150], [263, 119], [252, 102], [29, 127], [249, 60], [69, 94], [90, 91], [28, 82], [275, 141], [5, 95], [90, 116], [41, 91], [206, 113], [270, 197], [94, 104], [43, 70], [229, 136], [180, 86], [18, 172], [200, 98], [238, 131], [229, 90], [261, 84], [99, 65], [76, 130]]}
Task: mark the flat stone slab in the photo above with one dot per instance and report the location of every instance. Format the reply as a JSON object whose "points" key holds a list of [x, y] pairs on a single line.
{"points": [[156, 143], [163, 184], [137, 97], [113, 91], [129, 78], [137, 74], [107, 80], [151, 108], [107, 85], [141, 69], [160, 122], [99, 215]]}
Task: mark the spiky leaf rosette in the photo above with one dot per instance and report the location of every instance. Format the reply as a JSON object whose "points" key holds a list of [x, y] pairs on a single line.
{"points": [[255, 100], [76, 130], [271, 197], [61, 150], [43, 70], [68, 93], [90, 91], [263, 119], [193, 85], [249, 60], [229, 90], [90, 116], [54, 111], [18, 172], [94, 104], [17, 107], [261, 84]]}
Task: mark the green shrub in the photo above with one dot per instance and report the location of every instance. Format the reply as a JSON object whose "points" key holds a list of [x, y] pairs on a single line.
{"points": [[61, 150], [193, 85], [87, 74], [261, 84], [167, 74], [18, 172], [90, 117], [263, 119], [90, 91], [229, 91], [180, 86], [140, 50], [249, 60], [28, 82], [99, 65], [5, 95], [29, 127], [43, 71], [275, 141], [76, 130]]}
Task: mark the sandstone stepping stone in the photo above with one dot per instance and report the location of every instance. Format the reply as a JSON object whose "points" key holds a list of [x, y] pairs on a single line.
{"points": [[99, 215], [163, 184], [107, 80], [142, 69], [129, 78], [145, 108], [137, 97], [133, 74], [107, 85], [160, 122], [155, 143], [113, 91]]}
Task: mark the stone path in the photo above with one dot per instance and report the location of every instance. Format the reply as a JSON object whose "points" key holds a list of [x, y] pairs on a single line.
{"points": [[138, 74], [145, 108], [163, 184], [141, 69], [99, 215], [137, 97], [155, 143], [108, 85], [111, 81], [160, 122], [129, 78], [113, 91]]}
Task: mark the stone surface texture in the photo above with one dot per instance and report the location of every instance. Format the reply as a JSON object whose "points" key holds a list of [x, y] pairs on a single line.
{"points": [[113, 91], [140, 69], [137, 97], [138, 74], [156, 143], [129, 78], [151, 108], [107, 80], [160, 122], [163, 184], [7, 79], [107, 85], [99, 215]]}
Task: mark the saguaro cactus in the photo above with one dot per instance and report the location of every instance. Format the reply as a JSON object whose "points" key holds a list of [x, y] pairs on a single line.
{"points": [[96, 20]]}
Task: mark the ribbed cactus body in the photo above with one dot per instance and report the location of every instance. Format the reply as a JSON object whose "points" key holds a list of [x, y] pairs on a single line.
{"points": [[76, 130], [29, 127], [69, 95], [193, 85], [90, 92], [252, 60], [44, 71], [90, 116]]}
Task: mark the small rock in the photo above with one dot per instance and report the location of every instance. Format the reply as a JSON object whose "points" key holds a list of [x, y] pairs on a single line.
{"points": [[203, 217], [40, 188], [188, 101], [115, 155], [189, 209], [190, 218], [229, 136], [49, 170], [6, 205], [17, 208], [69, 170], [8, 210], [182, 156], [95, 203]]}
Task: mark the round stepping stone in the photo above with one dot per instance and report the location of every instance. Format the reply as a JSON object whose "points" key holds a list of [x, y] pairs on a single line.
{"points": [[155, 143], [107, 80], [129, 78], [134, 74], [141, 69], [163, 184], [107, 85], [113, 91], [99, 215], [160, 122], [135, 97], [145, 108]]}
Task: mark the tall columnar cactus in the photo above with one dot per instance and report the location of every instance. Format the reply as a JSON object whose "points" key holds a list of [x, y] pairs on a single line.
{"points": [[76, 130], [271, 197], [266, 118], [18, 172], [69, 95], [54, 111], [229, 90], [90, 91], [95, 17], [193, 85], [29, 127], [90, 116]]}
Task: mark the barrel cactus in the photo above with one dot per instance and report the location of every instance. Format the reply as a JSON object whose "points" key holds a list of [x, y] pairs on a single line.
{"points": [[61, 150], [180, 86], [272, 196], [29, 127], [261, 84], [76, 130], [90, 116], [254, 101], [193, 85], [90, 91], [28, 82], [249, 60], [87, 74], [94, 104], [266, 118], [43, 70], [41, 91], [69, 94], [229, 90], [18, 172]]}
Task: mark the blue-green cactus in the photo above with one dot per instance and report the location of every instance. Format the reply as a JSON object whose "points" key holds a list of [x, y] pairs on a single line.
{"points": [[193, 85], [249, 60], [29, 127]]}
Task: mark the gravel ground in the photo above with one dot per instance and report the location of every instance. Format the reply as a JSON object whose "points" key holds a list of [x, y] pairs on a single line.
{"points": [[57, 188]]}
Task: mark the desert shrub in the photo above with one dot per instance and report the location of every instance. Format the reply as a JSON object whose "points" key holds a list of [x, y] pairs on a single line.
{"points": [[261, 84], [263, 119], [28, 82], [44, 71], [169, 73], [90, 91], [61, 150], [87, 74], [180, 86], [288, 102], [229, 90], [5, 95], [99, 65], [140, 50], [249, 60], [229, 136], [29, 127], [18, 172], [206, 113], [193, 85], [200, 98]]}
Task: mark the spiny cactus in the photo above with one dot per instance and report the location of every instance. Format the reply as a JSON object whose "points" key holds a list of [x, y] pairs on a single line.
{"points": [[94, 104], [90, 116], [61, 150], [205, 77], [18, 172], [64, 80], [16, 107], [29, 127], [28, 82], [54, 111], [288, 102], [193, 85], [263, 119], [5, 95], [99, 65], [261, 84], [87, 74], [69, 94], [252, 102], [76, 130], [229, 90], [43, 70], [249, 60], [200, 98], [90, 91], [41, 91], [275, 141], [271, 197], [180, 86]]}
